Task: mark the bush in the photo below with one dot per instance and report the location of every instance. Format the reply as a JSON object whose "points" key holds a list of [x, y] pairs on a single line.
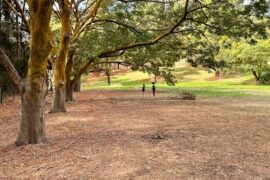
{"points": [[265, 78], [187, 96]]}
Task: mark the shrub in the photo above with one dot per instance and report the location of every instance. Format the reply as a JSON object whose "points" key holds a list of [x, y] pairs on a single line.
{"points": [[187, 96], [265, 78]]}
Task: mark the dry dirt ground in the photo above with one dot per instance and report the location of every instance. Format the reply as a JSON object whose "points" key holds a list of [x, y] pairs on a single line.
{"points": [[111, 135]]}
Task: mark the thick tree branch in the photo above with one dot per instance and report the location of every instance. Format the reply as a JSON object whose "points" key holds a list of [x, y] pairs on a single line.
{"points": [[133, 29], [133, 45], [86, 10], [113, 62], [82, 70], [12, 72], [91, 16], [155, 40]]}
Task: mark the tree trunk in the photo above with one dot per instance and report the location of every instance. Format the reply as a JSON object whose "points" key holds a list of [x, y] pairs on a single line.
{"points": [[108, 78], [77, 86], [32, 130], [58, 104], [217, 73], [69, 91], [77, 77], [69, 83], [257, 77], [33, 89], [12, 72]]}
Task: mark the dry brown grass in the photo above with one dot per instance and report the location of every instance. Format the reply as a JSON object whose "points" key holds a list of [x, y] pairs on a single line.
{"points": [[111, 135]]}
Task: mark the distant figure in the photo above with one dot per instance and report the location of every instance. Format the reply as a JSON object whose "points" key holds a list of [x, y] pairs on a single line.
{"points": [[154, 89], [143, 89]]}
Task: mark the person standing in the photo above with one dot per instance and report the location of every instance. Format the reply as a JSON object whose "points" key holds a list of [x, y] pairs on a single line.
{"points": [[154, 88]]}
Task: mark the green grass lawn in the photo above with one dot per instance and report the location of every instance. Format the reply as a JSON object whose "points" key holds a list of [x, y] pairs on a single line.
{"points": [[190, 79]]}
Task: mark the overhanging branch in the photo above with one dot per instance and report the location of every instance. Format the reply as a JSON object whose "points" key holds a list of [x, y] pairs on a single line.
{"points": [[133, 45], [155, 40], [12, 72]]}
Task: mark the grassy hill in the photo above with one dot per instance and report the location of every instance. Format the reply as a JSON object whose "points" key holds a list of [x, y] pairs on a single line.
{"points": [[196, 80]]}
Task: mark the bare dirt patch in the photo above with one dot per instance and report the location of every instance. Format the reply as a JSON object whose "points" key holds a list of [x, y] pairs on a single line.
{"points": [[112, 135]]}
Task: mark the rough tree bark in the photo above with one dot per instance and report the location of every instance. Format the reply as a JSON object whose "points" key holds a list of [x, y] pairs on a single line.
{"points": [[33, 88], [59, 96], [69, 83], [69, 91], [71, 87]]}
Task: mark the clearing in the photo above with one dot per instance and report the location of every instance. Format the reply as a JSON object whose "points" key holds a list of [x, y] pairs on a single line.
{"points": [[111, 135]]}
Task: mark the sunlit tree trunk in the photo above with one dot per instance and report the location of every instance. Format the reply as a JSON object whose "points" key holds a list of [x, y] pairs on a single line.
{"points": [[33, 88], [59, 97]]}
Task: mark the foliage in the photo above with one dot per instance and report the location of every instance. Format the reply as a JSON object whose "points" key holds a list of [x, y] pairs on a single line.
{"points": [[121, 23], [204, 53], [197, 39], [237, 21], [254, 58], [265, 77], [127, 26]]}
